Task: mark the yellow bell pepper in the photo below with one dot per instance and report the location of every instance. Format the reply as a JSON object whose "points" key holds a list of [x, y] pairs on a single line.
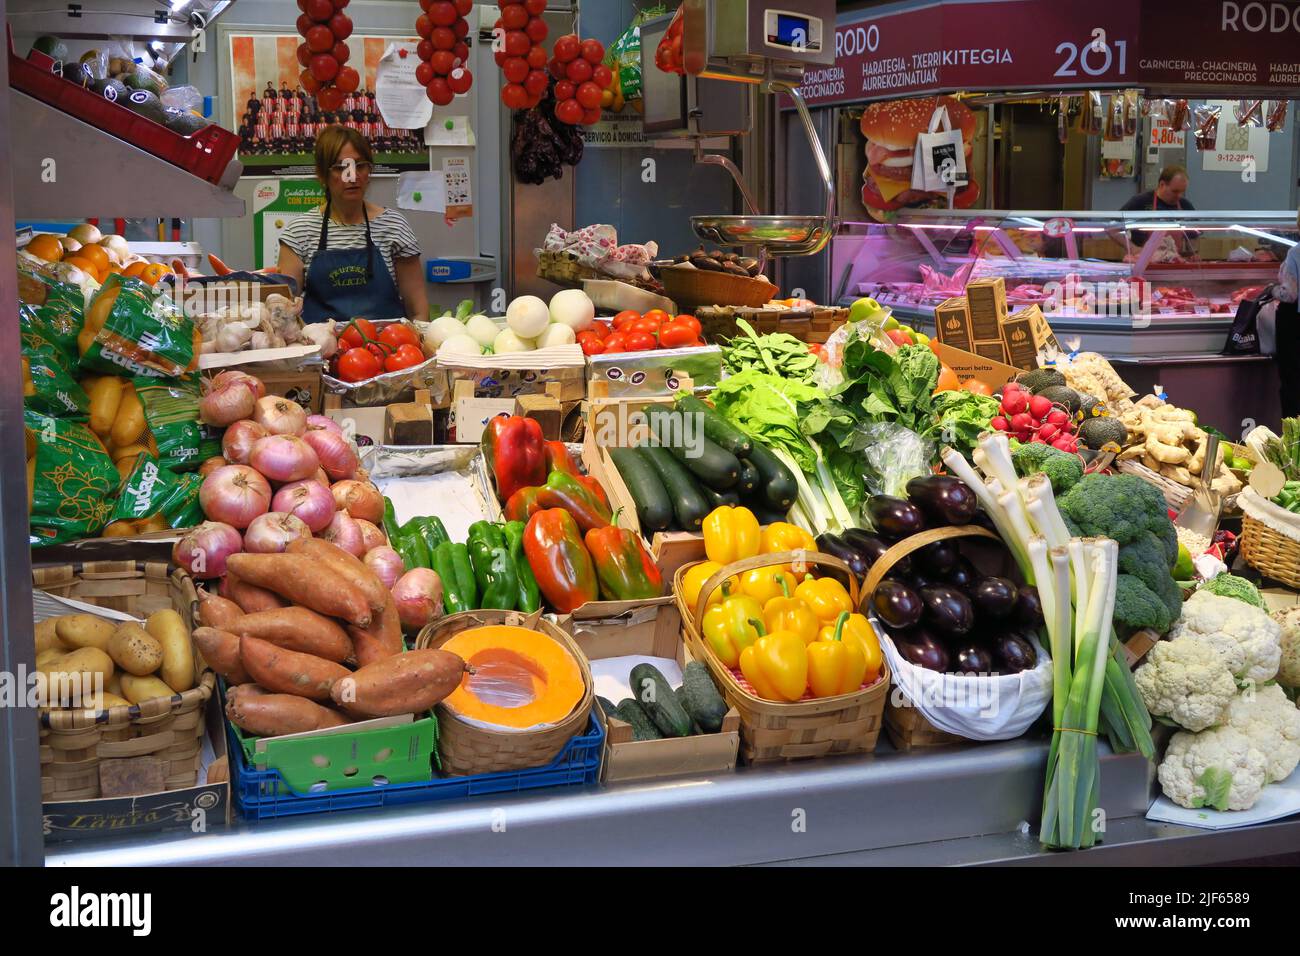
{"points": [[835, 666], [783, 536], [776, 665], [693, 582], [763, 584], [727, 628], [858, 629], [825, 596], [793, 615], [730, 534]]}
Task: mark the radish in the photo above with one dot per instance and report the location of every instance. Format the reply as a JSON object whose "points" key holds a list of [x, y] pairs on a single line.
{"points": [[1066, 443], [1039, 407], [1048, 433], [998, 423], [1021, 423], [1013, 403], [1024, 437], [1058, 416]]}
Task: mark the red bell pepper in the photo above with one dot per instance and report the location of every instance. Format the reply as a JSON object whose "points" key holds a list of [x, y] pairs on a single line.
{"points": [[561, 490], [516, 453], [523, 504], [623, 566], [559, 559], [559, 459]]}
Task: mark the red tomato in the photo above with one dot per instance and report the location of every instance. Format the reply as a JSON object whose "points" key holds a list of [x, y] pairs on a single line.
{"points": [[443, 13], [443, 62], [630, 315], [357, 332], [442, 39], [461, 51], [406, 356], [641, 342], [304, 54], [579, 71], [424, 51], [308, 82], [324, 67], [379, 351], [514, 96], [517, 43], [615, 343], [320, 39], [397, 335], [357, 365], [589, 95], [569, 111], [535, 7], [537, 83], [348, 79], [320, 10], [341, 52], [460, 80], [659, 315], [602, 76], [593, 51], [341, 26], [556, 69], [692, 321], [330, 99], [304, 24], [564, 90], [461, 29], [537, 58], [514, 16], [817, 350], [516, 70], [567, 48], [439, 91], [677, 335], [591, 117], [537, 30], [463, 7], [599, 329], [424, 74], [423, 25], [647, 324], [591, 344]]}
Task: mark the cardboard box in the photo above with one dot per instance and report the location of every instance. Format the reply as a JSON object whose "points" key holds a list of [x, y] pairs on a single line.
{"points": [[365, 425], [1026, 333], [303, 387], [546, 410], [470, 414], [952, 323], [410, 423], [994, 350], [650, 631], [970, 365], [986, 300]]}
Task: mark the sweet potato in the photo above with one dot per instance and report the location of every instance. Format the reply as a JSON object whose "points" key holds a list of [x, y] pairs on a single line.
{"points": [[218, 612], [383, 638], [297, 629], [403, 684], [220, 650], [289, 672], [349, 565], [249, 598], [270, 715], [305, 582]]}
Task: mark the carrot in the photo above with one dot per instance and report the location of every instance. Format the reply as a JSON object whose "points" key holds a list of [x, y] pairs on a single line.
{"points": [[270, 715], [290, 672], [250, 599], [220, 651], [404, 684], [297, 629], [216, 611], [306, 582], [219, 267], [349, 565], [383, 638]]}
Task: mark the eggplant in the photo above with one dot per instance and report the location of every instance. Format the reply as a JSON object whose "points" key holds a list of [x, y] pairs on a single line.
{"points": [[973, 659], [944, 499], [857, 561], [1014, 653], [947, 610], [920, 579], [894, 518], [963, 574], [938, 558], [920, 647], [1029, 609], [995, 597], [896, 604], [983, 520]]}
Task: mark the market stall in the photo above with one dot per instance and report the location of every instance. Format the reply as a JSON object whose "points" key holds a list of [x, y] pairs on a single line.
{"points": [[675, 562]]}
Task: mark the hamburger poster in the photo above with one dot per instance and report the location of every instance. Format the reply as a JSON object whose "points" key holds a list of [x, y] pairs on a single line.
{"points": [[893, 129]]}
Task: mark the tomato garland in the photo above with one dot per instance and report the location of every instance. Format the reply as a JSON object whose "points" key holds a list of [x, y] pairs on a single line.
{"points": [[443, 49], [324, 27], [518, 38]]}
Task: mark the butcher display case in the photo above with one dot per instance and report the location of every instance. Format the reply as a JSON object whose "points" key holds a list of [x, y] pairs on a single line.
{"points": [[1126, 284]]}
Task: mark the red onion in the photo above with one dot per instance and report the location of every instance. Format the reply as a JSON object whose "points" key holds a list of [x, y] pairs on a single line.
{"points": [[418, 596], [321, 478], [335, 452], [239, 439], [386, 563], [360, 499], [344, 531], [234, 375], [371, 536], [227, 403], [279, 416], [271, 533], [308, 500], [235, 495], [211, 465], [283, 458], [204, 549], [316, 422]]}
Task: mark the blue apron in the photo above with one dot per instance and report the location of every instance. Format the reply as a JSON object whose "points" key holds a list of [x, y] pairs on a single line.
{"points": [[343, 284]]}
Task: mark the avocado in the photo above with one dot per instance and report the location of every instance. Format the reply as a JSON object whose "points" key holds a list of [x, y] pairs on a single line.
{"points": [[146, 104], [142, 79], [1061, 395], [75, 72], [52, 47], [110, 89], [1040, 378], [183, 122], [1090, 406], [1096, 433]]}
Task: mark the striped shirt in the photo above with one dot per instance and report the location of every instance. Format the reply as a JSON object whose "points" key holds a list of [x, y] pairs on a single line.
{"points": [[389, 230]]}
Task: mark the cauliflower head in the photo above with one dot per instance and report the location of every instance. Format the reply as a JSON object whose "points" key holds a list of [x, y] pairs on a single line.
{"points": [[1186, 681], [1220, 768], [1247, 638], [1272, 722], [1288, 670]]}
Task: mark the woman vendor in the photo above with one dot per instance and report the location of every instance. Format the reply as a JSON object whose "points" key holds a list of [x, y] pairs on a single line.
{"points": [[351, 258]]}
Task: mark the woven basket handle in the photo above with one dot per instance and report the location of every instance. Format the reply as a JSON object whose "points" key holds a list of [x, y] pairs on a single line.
{"points": [[917, 541], [767, 561]]}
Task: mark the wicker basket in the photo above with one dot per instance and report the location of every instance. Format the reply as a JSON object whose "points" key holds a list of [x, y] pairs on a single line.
{"points": [[908, 730], [466, 749], [771, 730], [73, 743], [693, 288], [565, 270], [1270, 552], [1176, 495]]}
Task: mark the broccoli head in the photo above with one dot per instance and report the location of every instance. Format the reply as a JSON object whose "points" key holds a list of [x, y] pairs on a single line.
{"points": [[1062, 469], [1231, 586], [1120, 507], [1145, 559], [1136, 605]]}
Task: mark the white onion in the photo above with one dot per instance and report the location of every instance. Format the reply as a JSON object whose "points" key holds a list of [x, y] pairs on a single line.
{"points": [[371, 536], [528, 316], [337, 457], [309, 500], [227, 403], [482, 330], [238, 441], [462, 344], [235, 495], [344, 531], [271, 533], [323, 421], [359, 499], [204, 549], [284, 458], [386, 563], [508, 341], [573, 307], [418, 596], [440, 330], [279, 416], [557, 334]]}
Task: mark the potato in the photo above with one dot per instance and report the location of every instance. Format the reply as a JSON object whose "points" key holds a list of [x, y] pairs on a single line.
{"points": [[169, 630], [134, 650], [138, 689], [47, 638], [47, 657], [84, 630], [105, 398], [114, 684], [128, 423], [81, 675]]}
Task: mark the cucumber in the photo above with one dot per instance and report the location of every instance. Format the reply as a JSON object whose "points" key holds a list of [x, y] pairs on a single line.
{"points": [[766, 515], [680, 694], [689, 504], [643, 728], [654, 509], [748, 477], [655, 695], [708, 461], [718, 498], [716, 428], [701, 699], [606, 705], [774, 478]]}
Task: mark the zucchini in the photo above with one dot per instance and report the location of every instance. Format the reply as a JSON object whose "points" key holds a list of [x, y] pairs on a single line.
{"points": [[655, 695], [606, 705], [689, 504], [716, 428], [748, 477], [717, 499], [654, 509], [701, 699], [711, 463], [680, 694], [774, 478], [643, 728]]}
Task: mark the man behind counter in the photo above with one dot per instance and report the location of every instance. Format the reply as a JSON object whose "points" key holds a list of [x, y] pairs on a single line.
{"points": [[1170, 193]]}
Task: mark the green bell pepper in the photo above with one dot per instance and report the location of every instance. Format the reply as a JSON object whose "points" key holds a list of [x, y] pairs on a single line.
{"points": [[494, 571], [454, 599], [419, 550], [463, 568], [391, 530], [430, 530], [530, 596]]}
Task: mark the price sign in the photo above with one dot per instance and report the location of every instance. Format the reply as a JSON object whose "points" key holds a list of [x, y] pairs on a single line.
{"points": [[1058, 228]]}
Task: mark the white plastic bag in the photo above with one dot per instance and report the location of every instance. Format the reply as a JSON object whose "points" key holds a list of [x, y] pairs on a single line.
{"points": [[939, 163]]}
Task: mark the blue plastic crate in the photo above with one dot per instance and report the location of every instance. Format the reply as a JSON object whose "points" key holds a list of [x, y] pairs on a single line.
{"points": [[263, 794]]}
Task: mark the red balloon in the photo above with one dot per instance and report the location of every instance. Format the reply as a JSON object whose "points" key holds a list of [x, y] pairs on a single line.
{"points": [[320, 39], [304, 55], [602, 76], [443, 13], [569, 111], [463, 7], [341, 52], [443, 62], [514, 96], [593, 51], [330, 99], [425, 50], [320, 10], [304, 24], [516, 69], [423, 25], [591, 117], [348, 80], [564, 90], [460, 80], [324, 67], [443, 39], [308, 82], [461, 52], [579, 71], [589, 96], [424, 73], [341, 25], [537, 82], [567, 48], [537, 30], [514, 16], [537, 58], [439, 92]]}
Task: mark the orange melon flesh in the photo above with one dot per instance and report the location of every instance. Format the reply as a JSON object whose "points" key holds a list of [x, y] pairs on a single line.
{"points": [[523, 678]]}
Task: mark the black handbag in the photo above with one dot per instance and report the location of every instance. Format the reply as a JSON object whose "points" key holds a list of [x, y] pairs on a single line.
{"points": [[1243, 337]]}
